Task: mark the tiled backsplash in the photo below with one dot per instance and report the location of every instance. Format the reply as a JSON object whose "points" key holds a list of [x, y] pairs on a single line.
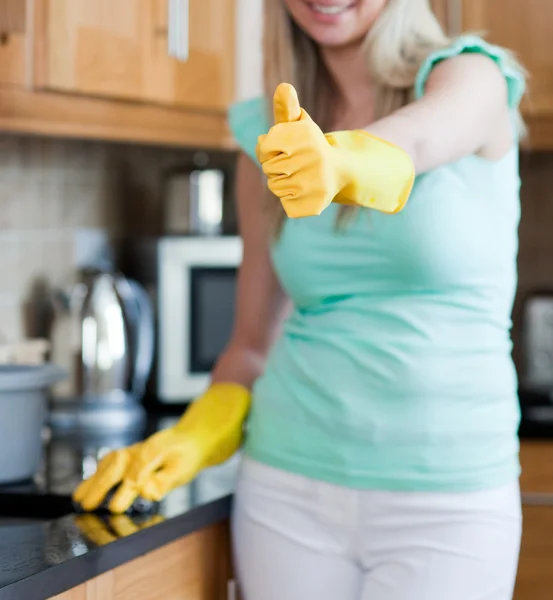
{"points": [[51, 189]]}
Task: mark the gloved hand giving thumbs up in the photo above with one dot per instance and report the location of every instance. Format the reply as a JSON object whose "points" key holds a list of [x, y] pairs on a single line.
{"points": [[307, 170]]}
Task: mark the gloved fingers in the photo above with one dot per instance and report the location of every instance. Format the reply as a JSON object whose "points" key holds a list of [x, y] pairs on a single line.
{"points": [[284, 188], [292, 140], [103, 466], [82, 489], [282, 139], [110, 472], [257, 147], [267, 147], [162, 482], [278, 166], [148, 458], [123, 497], [177, 471]]}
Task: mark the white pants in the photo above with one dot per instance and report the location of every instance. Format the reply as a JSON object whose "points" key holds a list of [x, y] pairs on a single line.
{"points": [[299, 539]]}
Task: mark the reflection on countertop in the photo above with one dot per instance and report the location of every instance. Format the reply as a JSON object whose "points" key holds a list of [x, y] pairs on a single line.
{"points": [[49, 551]]}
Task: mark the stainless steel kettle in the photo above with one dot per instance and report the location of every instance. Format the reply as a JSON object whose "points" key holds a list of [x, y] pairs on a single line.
{"points": [[116, 326]]}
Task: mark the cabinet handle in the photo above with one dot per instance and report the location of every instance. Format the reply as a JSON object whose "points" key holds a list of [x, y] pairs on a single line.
{"points": [[455, 17], [178, 27]]}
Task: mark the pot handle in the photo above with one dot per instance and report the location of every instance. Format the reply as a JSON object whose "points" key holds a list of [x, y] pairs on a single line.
{"points": [[144, 343]]}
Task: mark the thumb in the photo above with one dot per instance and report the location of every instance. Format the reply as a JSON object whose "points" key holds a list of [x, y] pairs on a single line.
{"points": [[286, 105]]}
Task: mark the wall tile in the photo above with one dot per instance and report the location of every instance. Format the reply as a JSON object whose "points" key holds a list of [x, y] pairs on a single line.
{"points": [[10, 272], [50, 203], [11, 322], [11, 155], [14, 193], [32, 262], [81, 205], [49, 190]]}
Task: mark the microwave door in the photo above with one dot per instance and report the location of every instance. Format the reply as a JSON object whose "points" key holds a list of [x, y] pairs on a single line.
{"points": [[211, 315], [197, 304]]}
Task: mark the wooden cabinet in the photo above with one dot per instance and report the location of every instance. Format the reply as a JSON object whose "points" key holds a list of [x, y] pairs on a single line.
{"points": [[12, 42], [535, 571], [122, 50], [12, 59], [196, 567], [526, 28], [152, 71]]}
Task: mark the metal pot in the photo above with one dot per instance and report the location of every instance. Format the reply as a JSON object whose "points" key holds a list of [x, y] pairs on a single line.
{"points": [[23, 405], [194, 199]]}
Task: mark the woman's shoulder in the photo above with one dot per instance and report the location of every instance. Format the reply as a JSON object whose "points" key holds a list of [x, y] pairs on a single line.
{"points": [[472, 44], [248, 119]]}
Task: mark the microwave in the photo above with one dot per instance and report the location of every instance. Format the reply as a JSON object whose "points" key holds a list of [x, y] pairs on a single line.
{"points": [[192, 284]]}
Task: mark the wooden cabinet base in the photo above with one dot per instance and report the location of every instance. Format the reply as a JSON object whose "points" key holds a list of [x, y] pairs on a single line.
{"points": [[535, 573], [536, 460], [540, 132], [65, 115], [196, 567]]}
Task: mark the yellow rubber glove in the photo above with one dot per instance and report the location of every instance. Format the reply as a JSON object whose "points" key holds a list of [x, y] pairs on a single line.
{"points": [[208, 433], [308, 170]]}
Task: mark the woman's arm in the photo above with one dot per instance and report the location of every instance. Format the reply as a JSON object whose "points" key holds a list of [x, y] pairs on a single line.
{"points": [[260, 302], [464, 111]]}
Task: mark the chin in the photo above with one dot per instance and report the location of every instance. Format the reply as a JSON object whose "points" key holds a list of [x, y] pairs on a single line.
{"points": [[334, 23], [334, 39]]}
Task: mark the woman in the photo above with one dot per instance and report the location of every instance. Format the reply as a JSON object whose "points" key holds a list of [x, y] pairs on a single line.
{"points": [[381, 459]]}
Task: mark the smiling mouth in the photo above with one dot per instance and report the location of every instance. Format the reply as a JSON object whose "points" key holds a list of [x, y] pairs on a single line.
{"points": [[330, 9]]}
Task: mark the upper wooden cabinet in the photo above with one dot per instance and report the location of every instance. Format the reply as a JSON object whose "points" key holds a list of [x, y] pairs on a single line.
{"points": [[526, 28], [176, 52], [12, 42], [152, 71]]}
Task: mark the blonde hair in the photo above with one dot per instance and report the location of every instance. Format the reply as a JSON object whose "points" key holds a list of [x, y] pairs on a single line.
{"points": [[404, 35]]}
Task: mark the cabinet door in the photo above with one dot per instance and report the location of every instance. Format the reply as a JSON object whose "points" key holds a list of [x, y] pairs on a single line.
{"points": [[13, 46], [196, 567], [523, 26], [120, 49], [206, 78], [535, 576]]}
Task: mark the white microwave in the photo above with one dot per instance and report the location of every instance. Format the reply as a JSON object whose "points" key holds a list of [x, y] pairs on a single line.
{"points": [[192, 282]]}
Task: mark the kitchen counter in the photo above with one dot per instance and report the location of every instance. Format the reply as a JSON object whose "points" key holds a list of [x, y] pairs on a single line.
{"points": [[48, 551]]}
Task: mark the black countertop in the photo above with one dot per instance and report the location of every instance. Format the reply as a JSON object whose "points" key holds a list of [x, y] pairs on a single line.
{"points": [[45, 552]]}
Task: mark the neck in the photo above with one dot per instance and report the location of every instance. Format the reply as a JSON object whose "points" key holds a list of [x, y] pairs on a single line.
{"points": [[348, 69]]}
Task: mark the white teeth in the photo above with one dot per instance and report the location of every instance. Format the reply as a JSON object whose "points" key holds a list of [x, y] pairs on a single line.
{"points": [[325, 9]]}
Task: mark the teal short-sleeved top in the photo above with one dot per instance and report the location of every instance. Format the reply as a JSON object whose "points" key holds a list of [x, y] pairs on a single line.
{"points": [[394, 370]]}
